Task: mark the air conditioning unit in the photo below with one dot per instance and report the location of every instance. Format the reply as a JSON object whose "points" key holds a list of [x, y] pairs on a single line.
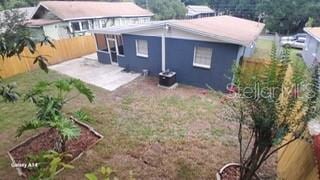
{"points": [[167, 78]]}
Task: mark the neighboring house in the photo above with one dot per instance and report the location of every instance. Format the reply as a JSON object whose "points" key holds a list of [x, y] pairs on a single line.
{"points": [[311, 51], [199, 12], [64, 19], [200, 51]]}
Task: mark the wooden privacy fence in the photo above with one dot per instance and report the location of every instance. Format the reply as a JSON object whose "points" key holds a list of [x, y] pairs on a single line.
{"points": [[65, 49], [297, 162]]}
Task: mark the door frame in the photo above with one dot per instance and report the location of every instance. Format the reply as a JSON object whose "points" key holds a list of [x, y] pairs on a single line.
{"points": [[116, 46]]}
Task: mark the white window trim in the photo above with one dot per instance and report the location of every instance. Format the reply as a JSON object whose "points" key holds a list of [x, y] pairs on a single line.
{"points": [[118, 54], [80, 25], [201, 65], [100, 23], [139, 54]]}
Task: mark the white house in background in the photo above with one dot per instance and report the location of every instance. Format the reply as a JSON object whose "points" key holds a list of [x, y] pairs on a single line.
{"points": [[311, 51], [64, 19], [199, 12]]}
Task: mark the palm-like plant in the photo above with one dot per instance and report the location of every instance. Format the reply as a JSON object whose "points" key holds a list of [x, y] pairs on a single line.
{"points": [[50, 106]]}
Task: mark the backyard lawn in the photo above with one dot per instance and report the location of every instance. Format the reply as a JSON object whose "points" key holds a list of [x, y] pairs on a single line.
{"points": [[263, 50], [149, 132]]}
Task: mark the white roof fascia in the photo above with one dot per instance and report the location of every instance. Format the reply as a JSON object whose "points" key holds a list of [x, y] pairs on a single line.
{"points": [[99, 17], [35, 11], [126, 29]]}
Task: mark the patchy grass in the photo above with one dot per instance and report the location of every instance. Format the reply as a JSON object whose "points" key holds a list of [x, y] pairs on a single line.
{"points": [[263, 49], [150, 133], [294, 54]]}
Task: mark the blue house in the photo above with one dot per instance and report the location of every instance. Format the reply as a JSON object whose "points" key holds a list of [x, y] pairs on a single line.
{"points": [[311, 51], [200, 51]]}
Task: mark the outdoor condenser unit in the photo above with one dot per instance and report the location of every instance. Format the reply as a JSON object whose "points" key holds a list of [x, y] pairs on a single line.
{"points": [[167, 78]]}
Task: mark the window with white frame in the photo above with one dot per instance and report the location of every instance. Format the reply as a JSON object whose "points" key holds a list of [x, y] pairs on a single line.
{"points": [[120, 45], [142, 48], [85, 25], [202, 57], [103, 23], [75, 26], [78, 26]]}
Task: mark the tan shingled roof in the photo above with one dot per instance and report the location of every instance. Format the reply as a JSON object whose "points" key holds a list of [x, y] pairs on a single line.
{"points": [[314, 31], [224, 27], [67, 10]]}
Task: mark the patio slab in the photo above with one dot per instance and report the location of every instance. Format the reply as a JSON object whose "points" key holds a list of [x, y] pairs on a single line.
{"points": [[89, 70]]}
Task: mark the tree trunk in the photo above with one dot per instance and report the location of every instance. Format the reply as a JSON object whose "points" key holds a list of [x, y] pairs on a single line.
{"points": [[60, 144]]}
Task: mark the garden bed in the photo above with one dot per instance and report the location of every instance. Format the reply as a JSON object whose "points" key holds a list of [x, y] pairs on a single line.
{"points": [[45, 141]]}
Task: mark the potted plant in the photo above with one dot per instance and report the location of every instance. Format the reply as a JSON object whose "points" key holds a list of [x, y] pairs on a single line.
{"points": [[269, 114]]}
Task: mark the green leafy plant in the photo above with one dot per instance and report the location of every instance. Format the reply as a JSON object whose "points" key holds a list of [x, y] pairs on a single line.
{"points": [[105, 173], [82, 116], [274, 111], [49, 98], [8, 92], [15, 37], [48, 164]]}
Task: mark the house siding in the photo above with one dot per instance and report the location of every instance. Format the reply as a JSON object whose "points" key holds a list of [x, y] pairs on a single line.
{"points": [[310, 50], [179, 58], [103, 57], [135, 63]]}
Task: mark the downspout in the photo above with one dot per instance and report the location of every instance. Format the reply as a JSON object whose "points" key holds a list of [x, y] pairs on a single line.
{"points": [[163, 48]]}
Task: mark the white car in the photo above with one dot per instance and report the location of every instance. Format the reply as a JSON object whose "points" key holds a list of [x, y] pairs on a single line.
{"points": [[294, 43]]}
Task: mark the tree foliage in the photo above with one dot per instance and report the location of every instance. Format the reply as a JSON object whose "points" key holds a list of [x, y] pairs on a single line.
{"points": [[49, 98], [164, 9], [272, 107], [287, 16], [282, 16]]}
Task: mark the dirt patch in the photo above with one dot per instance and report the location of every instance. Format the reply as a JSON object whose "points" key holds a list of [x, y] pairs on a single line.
{"points": [[191, 159], [231, 173], [46, 141]]}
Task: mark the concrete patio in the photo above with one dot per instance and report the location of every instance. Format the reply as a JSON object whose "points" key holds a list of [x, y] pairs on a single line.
{"points": [[89, 70]]}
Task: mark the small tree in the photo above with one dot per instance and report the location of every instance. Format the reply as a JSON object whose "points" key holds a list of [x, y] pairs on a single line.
{"points": [[271, 107], [14, 38], [50, 106]]}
